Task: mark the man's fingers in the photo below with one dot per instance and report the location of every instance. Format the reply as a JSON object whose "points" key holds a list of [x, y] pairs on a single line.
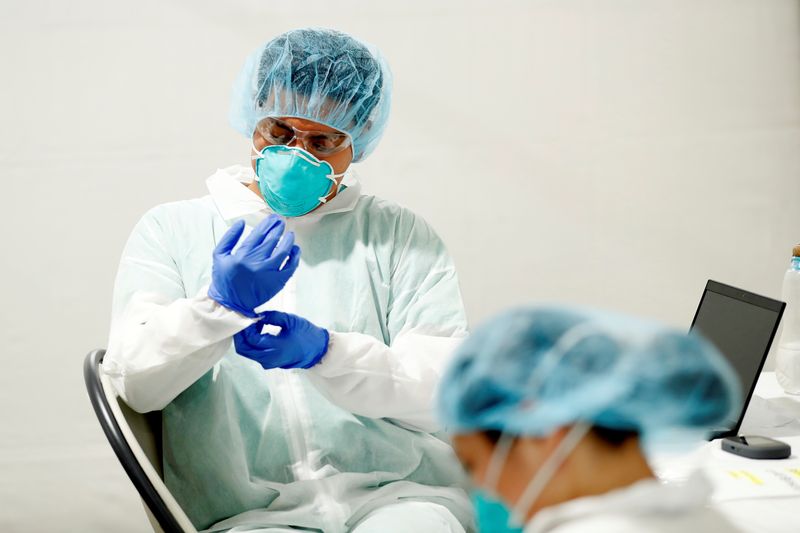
{"points": [[281, 252], [276, 318], [244, 336], [293, 261], [269, 228], [228, 241], [249, 337]]}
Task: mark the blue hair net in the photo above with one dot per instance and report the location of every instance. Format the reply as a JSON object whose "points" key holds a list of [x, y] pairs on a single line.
{"points": [[530, 371], [317, 74]]}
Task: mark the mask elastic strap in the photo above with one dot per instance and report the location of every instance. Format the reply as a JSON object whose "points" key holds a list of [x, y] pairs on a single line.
{"points": [[333, 177], [497, 461], [545, 474], [301, 153], [258, 155], [554, 355]]}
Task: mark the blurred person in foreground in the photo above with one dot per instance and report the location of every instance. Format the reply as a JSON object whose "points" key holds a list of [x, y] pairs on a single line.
{"points": [[552, 409]]}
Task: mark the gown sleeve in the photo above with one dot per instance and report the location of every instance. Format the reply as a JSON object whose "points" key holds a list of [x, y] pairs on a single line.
{"points": [[426, 322], [162, 340]]}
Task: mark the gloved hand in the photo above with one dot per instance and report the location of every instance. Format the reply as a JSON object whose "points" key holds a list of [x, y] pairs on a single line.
{"points": [[300, 344], [251, 276]]}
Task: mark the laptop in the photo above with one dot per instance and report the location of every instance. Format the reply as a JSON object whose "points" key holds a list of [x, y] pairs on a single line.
{"points": [[742, 325]]}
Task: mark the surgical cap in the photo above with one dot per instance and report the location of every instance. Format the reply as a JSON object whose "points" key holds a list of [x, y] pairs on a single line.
{"points": [[531, 371], [317, 74]]}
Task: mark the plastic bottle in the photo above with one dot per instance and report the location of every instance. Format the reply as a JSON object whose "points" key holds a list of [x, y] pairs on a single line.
{"points": [[787, 368]]}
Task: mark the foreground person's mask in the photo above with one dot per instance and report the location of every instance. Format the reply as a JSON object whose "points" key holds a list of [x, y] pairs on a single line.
{"points": [[491, 514], [292, 181]]}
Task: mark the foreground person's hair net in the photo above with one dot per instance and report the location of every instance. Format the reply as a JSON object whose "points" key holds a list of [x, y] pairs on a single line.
{"points": [[530, 371], [317, 74]]}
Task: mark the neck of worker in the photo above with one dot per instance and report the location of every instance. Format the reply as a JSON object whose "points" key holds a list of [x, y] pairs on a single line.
{"points": [[595, 467]]}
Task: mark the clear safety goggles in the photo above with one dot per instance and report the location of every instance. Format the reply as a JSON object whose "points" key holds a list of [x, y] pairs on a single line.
{"points": [[319, 143]]}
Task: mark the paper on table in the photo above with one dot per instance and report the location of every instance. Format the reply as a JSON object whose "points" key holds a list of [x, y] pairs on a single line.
{"points": [[733, 483]]}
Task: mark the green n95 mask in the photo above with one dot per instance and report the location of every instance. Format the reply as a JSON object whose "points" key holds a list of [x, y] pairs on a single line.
{"points": [[292, 181]]}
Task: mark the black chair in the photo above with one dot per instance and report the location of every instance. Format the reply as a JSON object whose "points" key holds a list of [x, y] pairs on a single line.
{"points": [[136, 440]]}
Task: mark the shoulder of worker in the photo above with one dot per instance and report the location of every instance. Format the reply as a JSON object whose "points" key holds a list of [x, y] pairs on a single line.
{"points": [[637, 521], [180, 214], [392, 218]]}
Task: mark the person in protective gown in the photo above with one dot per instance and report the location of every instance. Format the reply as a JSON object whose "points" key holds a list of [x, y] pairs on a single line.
{"points": [[555, 410], [290, 328]]}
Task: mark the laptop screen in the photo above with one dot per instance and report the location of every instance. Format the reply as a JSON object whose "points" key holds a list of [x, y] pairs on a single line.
{"points": [[741, 325]]}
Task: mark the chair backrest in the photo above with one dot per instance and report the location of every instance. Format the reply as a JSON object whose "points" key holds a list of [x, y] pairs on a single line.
{"points": [[146, 428], [136, 440]]}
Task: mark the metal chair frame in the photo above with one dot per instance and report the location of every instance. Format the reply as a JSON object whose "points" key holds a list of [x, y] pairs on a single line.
{"points": [[163, 510]]}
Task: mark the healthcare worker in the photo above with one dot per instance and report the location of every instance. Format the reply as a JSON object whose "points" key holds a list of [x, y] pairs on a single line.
{"points": [[291, 329], [552, 410]]}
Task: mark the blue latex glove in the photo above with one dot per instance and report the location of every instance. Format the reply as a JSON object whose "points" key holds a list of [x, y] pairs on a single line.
{"points": [[251, 276], [300, 344]]}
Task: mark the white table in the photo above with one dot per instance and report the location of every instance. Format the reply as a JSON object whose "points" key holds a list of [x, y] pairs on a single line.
{"points": [[771, 413]]}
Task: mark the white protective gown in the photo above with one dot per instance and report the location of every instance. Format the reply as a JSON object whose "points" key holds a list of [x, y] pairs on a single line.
{"points": [[647, 506], [325, 448]]}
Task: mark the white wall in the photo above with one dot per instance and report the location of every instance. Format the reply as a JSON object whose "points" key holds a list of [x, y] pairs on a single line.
{"points": [[613, 153]]}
